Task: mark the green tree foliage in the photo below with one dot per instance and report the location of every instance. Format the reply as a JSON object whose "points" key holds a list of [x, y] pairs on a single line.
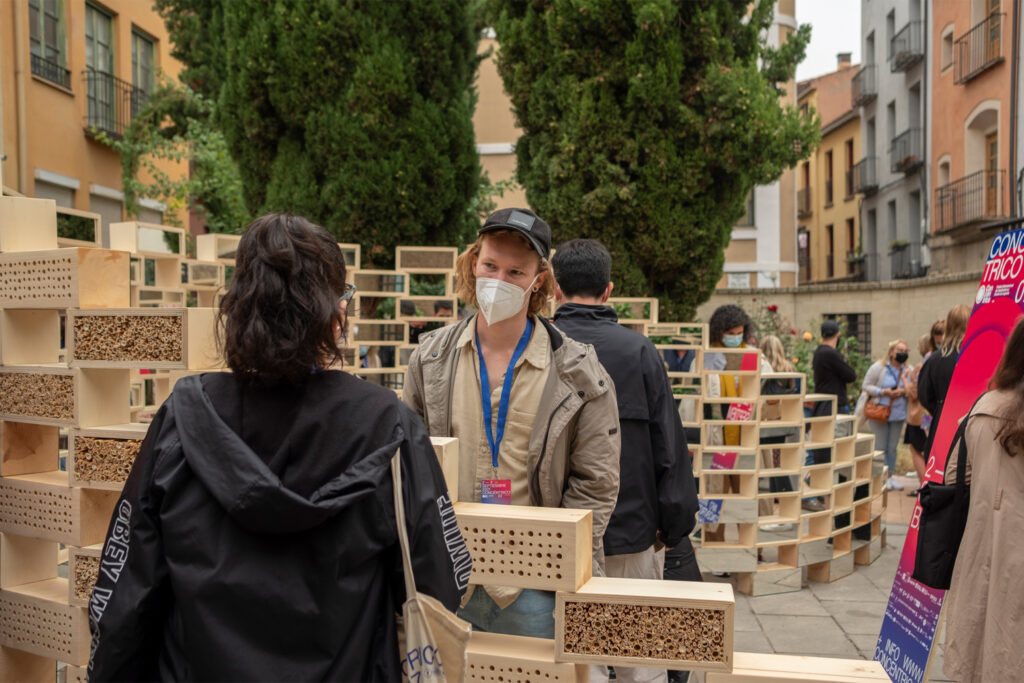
{"points": [[645, 125], [356, 114], [175, 125]]}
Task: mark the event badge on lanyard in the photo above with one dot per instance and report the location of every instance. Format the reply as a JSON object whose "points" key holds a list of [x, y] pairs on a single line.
{"points": [[498, 490]]}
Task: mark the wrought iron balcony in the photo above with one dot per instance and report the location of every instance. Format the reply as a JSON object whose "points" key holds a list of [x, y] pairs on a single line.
{"points": [[862, 87], [978, 198], [51, 71], [906, 47], [865, 177], [803, 202], [980, 48], [905, 154], [111, 102], [905, 261]]}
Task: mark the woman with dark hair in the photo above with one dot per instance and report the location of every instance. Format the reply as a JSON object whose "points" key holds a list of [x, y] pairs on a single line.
{"points": [[937, 372], [255, 538], [984, 611]]}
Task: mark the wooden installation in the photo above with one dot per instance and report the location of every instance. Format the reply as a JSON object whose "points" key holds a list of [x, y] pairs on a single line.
{"points": [[493, 657], [751, 667], [180, 339], [76, 277]]}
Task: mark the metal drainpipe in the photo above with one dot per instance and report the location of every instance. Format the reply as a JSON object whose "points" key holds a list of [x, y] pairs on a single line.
{"points": [[1014, 56], [19, 97]]}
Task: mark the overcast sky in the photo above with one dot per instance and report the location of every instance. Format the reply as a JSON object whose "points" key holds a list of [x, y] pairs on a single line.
{"points": [[835, 27]]}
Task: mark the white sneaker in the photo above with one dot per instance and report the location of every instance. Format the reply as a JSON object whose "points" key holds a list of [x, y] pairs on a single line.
{"points": [[893, 485]]}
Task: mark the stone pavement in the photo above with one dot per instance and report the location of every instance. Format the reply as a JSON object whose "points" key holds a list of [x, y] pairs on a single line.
{"points": [[840, 619]]}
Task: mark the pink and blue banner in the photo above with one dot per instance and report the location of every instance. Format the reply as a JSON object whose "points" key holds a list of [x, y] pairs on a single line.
{"points": [[912, 615]]}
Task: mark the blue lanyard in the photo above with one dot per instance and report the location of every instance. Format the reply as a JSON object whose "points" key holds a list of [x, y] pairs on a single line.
{"points": [[506, 390]]}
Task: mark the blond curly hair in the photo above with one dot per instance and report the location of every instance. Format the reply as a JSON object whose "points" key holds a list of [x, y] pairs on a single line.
{"points": [[465, 285]]}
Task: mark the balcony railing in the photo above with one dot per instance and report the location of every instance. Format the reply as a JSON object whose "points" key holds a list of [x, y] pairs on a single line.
{"points": [[111, 102], [51, 71], [906, 47], [905, 260], [829, 199], [978, 198], [979, 48], [865, 178], [855, 265], [862, 86], [803, 202], [905, 153]]}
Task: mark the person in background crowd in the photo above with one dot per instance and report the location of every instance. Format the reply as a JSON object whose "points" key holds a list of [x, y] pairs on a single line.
{"points": [[775, 354], [937, 373], [984, 610], [533, 410], [657, 500], [886, 381], [249, 543], [915, 436], [728, 327], [416, 327], [831, 375]]}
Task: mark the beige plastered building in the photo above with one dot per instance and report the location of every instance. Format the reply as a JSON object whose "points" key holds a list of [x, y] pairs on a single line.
{"points": [[67, 68]]}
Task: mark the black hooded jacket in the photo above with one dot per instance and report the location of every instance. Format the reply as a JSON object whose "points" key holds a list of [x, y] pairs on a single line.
{"points": [[656, 488], [255, 538]]}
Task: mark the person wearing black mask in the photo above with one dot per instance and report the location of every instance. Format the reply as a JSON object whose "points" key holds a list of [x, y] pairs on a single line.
{"points": [[886, 383]]}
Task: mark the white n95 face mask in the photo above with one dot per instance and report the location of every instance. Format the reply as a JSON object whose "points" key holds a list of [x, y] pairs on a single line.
{"points": [[499, 300]]}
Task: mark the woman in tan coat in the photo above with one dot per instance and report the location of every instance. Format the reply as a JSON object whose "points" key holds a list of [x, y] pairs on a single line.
{"points": [[985, 603]]}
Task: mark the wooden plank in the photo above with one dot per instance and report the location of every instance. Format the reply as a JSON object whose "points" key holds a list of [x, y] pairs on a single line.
{"points": [[43, 506], [642, 622], [27, 224], [831, 570], [133, 338], [37, 619], [102, 457], [518, 659], [751, 667], [76, 277], [770, 580], [148, 239], [75, 674], [26, 560], [16, 665], [57, 395], [29, 336], [27, 448], [447, 451], [868, 553], [529, 547], [83, 570]]}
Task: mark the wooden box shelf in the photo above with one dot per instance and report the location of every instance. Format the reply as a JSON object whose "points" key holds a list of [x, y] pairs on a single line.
{"points": [[642, 622], [27, 448], [426, 259], [83, 570], [528, 547], [516, 659], [36, 618], [380, 283], [132, 338], [749, 667], [44, 507], [148, 239], [27, 560], [217, 247], [56, 395], [76, 277], [102, 457], [29, 336], [27, 224]]}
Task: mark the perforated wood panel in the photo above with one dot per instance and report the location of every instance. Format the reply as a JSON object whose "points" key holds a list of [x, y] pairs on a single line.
{"points": [[64, 278], [75, 674], [37, 619], [41, 281], [496, 658], [541, 548], [646, 623], [42, 395], [43, 506]]}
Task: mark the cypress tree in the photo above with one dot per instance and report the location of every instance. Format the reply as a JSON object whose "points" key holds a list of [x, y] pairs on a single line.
{"points": [[645, 125], [357, 115]]}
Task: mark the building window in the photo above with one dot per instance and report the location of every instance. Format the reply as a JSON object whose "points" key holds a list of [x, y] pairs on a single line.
{"points": [[99, 65], [46, 40], [858, 325], [142, 62], [849, 168], [828, 178], [851, 245], [947, 48], [748, 217], [830, 268], [804, 254]]}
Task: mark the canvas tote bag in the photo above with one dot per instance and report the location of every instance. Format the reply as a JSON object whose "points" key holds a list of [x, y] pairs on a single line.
{"points": [[428, 634]]}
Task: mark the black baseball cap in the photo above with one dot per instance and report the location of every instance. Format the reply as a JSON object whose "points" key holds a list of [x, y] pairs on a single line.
{"points": [[829, 329], [523, 221]]}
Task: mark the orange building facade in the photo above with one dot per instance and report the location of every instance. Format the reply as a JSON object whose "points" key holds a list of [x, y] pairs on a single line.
{"points": [[69, 68], [972, 157]]}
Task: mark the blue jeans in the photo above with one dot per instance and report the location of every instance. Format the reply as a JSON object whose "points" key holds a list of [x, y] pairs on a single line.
{"points": [[887, 438], [531, 614]]}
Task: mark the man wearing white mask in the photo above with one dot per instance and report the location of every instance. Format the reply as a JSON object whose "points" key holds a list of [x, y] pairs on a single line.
{"points": [[534, 411]]}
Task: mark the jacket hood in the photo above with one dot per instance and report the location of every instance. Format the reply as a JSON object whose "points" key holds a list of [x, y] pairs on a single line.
{"points": [[586, 312], [246, 488]]}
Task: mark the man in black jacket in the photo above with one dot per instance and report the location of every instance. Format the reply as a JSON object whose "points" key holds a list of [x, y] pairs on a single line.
{"points": [[657, 500], [831, 371]]}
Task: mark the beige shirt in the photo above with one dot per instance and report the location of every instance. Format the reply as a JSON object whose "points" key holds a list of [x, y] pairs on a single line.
{"points": [[475, 463]]}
